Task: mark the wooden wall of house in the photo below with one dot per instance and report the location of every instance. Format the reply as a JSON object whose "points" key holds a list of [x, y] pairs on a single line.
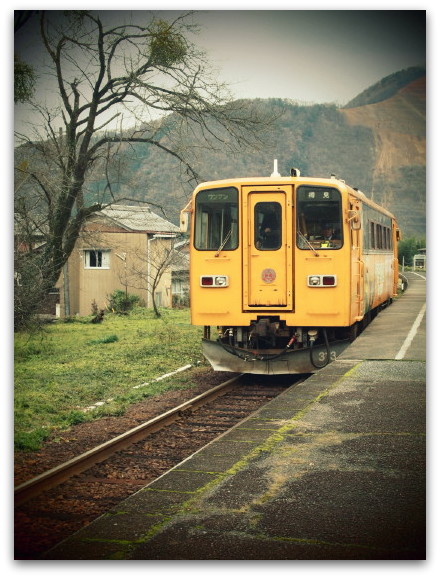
{"points": [[127, 251]]}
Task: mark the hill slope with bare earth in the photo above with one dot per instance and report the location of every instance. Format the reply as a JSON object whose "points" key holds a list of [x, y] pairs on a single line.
{"points": [[398, 125]]}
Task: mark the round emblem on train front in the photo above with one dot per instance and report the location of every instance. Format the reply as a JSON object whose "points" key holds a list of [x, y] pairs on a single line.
{"points": [[268, 275]]}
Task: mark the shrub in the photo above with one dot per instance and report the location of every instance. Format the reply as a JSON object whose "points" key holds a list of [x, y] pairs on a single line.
{"points": [[122, 302], [107, 339], [31, 441], [180, 301]]}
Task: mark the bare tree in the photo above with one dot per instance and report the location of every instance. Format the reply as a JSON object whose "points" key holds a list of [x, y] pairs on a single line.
{"points": [[151, 72], [147, 270]]}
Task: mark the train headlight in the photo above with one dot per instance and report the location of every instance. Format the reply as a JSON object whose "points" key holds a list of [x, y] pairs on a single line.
{"points": [[214, 281], [221, 281], [322, 280]]}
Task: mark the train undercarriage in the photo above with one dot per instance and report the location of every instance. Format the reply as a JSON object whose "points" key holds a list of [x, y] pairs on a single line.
{"points": [[268, 346]]}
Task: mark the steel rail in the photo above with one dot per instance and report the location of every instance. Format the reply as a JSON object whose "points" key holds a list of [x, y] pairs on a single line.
{"points": [[79, 464]]}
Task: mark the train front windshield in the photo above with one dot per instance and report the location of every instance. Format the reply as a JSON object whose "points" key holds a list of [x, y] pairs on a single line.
{"points": [[216, 219], [319, 218]]}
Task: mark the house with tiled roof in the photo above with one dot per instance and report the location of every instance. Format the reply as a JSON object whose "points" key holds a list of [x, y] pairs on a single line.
{"points": [[122, 248]]}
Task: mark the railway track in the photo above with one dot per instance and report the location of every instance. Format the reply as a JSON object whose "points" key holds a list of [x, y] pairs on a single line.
{"points": [[77, 465], [56, 503]]}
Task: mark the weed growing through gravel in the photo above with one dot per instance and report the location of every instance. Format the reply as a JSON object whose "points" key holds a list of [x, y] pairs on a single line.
{"points": [[67, 367]]}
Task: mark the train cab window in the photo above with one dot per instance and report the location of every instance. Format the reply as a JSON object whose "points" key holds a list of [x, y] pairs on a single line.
{"points": [[319, 218], [267, 226], [216, 219]]}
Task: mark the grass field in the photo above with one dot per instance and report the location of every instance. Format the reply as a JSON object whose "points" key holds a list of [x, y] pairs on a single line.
{"points": [[66, 367]]}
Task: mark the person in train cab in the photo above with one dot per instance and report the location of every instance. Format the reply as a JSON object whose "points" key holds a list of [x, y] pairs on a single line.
{"points": [[328, 235], [270, 230]]}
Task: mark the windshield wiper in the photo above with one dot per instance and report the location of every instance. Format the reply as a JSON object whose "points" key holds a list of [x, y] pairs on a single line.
{"points": [[303, 238], [225, 240]]}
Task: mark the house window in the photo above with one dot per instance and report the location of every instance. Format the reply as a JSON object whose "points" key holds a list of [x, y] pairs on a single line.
{"points": [[96, 259]]}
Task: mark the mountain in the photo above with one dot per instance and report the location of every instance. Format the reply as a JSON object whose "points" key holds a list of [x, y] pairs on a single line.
{"points": [[387, 87], [376, 143]]}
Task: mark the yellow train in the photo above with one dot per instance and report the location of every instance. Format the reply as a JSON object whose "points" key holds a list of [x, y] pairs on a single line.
{"points": [[287, 268]]}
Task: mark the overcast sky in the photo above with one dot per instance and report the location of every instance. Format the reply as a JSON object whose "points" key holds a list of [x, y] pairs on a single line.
{"points": [[309, 56], [313, 55], [306, 55]]}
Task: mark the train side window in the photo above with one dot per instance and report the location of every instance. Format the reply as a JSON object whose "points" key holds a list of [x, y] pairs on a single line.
{"points": [[372, 235], [267, 226], [379, 236], [319, 218], [216, 219]]}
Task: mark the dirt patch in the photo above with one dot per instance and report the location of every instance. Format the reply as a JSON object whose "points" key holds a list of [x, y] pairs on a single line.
{"points": [[399, 126]]}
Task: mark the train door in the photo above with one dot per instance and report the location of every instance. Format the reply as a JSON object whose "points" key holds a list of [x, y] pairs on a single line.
{"points": [[268, 262], [358, 267]]}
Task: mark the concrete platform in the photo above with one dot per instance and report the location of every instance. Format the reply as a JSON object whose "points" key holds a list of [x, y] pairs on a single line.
{"points": [[333, 469], [399, 331]]}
